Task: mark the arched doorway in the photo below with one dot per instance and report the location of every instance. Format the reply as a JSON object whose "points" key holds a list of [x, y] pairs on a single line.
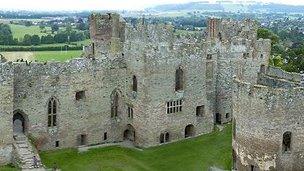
{"points": [[19, 123], [129, 133], [189, 131]]}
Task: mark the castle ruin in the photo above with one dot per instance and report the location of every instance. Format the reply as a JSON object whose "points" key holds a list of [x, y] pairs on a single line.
{"points": [[141, 84]]}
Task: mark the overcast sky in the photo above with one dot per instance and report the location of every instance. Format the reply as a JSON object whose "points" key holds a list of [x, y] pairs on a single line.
{"points": [[100, 4]]}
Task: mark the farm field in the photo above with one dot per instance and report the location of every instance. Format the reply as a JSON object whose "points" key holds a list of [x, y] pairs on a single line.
{"points": [[42, 55], [20, 30], [199, 153]]}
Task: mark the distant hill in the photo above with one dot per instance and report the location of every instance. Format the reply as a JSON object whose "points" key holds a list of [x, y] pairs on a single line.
{"points": [[205, 6]]}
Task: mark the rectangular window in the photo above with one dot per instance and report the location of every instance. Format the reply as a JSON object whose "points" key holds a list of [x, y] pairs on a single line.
{"points": [[105, 136], [174, 106], [80, 95], [200, 111], [130, 112]]}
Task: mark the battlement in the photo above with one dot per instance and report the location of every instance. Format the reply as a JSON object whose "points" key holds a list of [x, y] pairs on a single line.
{"points": [[69, 67], [257, 91], [104, 27], [276, 77], [225, 29]]}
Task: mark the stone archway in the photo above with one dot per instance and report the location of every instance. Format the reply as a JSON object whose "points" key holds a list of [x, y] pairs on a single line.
{"points": [[19, 123], [129, 133], [189, 131]]}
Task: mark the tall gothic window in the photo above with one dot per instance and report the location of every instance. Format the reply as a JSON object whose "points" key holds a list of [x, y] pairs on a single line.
{"points": [[52, 112], [114, 103], [179, 79]]}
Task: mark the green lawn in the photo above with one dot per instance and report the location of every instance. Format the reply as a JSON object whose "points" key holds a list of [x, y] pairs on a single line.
{"points": [[199, 153], [56, 55], [8, 168], [20, 30]]}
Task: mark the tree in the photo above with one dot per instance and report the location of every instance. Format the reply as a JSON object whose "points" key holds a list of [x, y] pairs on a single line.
{"points": [[35, 40], [28, 23], [49, 39], [81, 26], [54, 27], [27, 40], [61, 37], [267, 34], [68, 28], [6, 36], [41, 26]]}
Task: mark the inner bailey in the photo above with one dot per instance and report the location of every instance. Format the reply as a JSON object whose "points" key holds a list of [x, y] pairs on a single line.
{"points": [[134, 83]]}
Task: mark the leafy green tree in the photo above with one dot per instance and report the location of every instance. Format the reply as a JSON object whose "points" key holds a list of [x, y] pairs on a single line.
{"points": [[41, 26], [28, 23], [48, 39], [54, 27], [35, 40], [61, 37], [267, 34], [81, 26], [27, 40], [6, 36], [68, 28]]}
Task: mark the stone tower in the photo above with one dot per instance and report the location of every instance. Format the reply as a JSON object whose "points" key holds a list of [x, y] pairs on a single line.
{"points": [[107, 33]]}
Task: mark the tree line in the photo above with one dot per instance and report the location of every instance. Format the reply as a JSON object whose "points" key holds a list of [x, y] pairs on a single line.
{"points": [[65, 36], [283, 55]]}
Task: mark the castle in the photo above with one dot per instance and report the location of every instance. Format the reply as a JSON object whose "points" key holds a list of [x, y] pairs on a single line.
{"points": [[142, 83]]}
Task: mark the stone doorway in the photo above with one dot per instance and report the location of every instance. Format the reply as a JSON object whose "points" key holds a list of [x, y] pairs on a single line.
{"points": [[19, 123], [129, 133], [189, 131], [217, 118]]}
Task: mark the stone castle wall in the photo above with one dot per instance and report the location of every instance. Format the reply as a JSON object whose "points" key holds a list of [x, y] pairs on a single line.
{"points": [[262, 114]]}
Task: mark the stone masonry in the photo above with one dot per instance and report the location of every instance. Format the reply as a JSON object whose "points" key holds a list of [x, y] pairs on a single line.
{"points": [[268, 129], [137, 83]]}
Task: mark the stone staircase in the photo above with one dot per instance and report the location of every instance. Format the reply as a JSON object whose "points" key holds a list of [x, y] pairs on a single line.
{"points": [[24, 153]]}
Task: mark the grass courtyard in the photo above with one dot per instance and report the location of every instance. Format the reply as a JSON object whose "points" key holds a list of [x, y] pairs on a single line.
{"points": [[199, 153]]}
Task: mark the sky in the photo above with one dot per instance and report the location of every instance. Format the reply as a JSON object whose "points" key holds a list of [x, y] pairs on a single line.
{"points": [[58, 5]]}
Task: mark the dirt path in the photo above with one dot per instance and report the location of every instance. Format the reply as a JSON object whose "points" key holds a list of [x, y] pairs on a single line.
{"points": [[13, 56]]}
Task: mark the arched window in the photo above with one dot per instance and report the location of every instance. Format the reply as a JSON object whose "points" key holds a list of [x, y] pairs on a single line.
{"points": [[52, 112], [179, 79], [114, 103], [286, 141], [134, 86]]}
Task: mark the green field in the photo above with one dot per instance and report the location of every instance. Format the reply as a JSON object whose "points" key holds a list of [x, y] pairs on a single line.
{"points": [[20, 30], [8, 168], [56, 55], [42, 55], [199, 153]]}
